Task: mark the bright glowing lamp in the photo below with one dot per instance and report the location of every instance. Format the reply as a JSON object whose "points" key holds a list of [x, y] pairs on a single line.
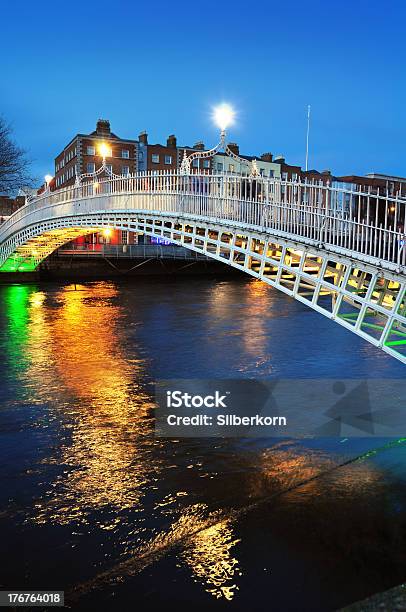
{"points": [[107, 232], [48, 178], [223, 116], [104, 150]]}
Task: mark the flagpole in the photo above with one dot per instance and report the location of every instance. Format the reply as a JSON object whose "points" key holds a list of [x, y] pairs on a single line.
{"points": [[307, 137]]}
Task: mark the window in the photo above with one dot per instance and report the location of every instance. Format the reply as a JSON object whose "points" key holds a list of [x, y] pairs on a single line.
{"points": [[125, 170], [206, 163], [294, 176], [231, 168], [90, 151], [168, 159], [124, 237], [195, 163], [141, 156], [109, 167], [219, 167], [155, 158], [284, 176], [262, 171], [271, 173], [125, 154], [91, 167]]}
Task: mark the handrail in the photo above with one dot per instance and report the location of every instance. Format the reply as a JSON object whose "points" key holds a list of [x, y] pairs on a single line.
{"points": [[359, 221]]}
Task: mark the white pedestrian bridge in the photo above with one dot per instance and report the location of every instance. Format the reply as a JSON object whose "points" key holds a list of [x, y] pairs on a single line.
{"points": [[340, 252]]}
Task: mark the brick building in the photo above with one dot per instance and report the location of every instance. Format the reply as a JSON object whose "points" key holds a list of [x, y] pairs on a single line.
{"points": [[83, 154], [358, 198], [205, 165], [384, 183], [9, 205], [157, 157]]}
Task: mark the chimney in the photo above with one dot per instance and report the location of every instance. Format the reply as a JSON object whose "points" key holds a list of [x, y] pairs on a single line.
{"points": [[279, 159], [143, 138], [267, 157], [327, 172], [199, 145], [103, 127], [233, 146], [171, 141]]}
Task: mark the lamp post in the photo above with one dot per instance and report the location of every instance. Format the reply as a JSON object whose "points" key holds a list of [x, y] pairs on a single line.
{"points": [[48, 178], [104, 151], [223, 116]]}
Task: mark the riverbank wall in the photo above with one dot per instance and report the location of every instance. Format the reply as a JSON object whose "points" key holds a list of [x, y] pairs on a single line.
{"points": [[84, 268]]}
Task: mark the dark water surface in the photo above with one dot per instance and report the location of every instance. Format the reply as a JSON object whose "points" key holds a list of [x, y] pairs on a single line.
{"points": [[93, 504]]}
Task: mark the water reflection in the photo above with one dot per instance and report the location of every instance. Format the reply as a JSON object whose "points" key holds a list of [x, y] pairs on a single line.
{"points": [[209, 554], [74, 361], [16, 313], [245, 311]]}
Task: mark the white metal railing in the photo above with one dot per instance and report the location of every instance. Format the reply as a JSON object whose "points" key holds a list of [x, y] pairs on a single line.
{"points": [[361, 221]]}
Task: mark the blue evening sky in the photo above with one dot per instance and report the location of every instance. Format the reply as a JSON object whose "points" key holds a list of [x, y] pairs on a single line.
{"points": [[161, 66]]}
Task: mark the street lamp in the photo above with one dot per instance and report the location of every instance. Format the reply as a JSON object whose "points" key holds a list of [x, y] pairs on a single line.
{"points": [[104, 151], [223, 116], [48, 178]]}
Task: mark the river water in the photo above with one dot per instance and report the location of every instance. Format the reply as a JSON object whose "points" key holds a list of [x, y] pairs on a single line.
{"points": [[93, 504]]}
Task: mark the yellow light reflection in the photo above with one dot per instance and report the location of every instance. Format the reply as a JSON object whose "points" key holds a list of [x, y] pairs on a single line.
{"points": [[210, 558], [76, 364], [229, 302]]}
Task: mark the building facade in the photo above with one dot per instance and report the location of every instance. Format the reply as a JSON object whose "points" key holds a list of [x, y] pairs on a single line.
{"points": [[8, 206], [83, 154], [157, 157], [267, 167], [357, 199], [204, 165]]}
